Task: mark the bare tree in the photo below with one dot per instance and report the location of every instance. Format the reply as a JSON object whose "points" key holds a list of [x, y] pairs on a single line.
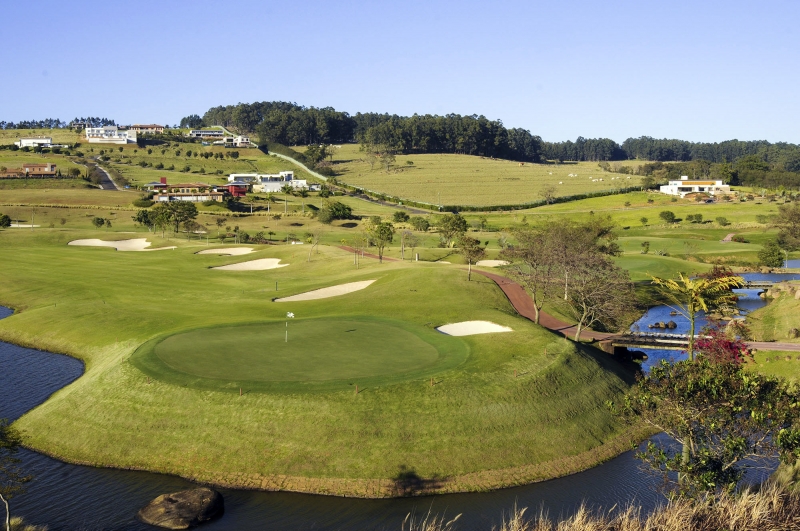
{"points": [[407, 239], [532, 264]]}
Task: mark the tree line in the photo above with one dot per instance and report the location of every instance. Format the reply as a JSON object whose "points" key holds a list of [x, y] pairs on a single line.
{"points": [[55, 123]]}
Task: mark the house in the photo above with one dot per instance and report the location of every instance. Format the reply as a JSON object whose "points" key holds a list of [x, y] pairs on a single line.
{"points": [[39, 141], [269, 182], [195, 192], [686, 186], [236, 188], [234, 141], [109, 134], [150, 128], [39, 170], [206, 133]]}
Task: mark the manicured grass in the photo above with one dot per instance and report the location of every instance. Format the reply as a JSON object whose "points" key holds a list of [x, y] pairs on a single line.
{"points": [[477, 418], [59, 136], [321, 354]]}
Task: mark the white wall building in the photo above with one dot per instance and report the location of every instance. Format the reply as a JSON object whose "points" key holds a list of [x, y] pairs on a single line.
{"points": [[109, 134], [234, 141], [685, 186], [39, 141], [266, 183], [206, 133]]}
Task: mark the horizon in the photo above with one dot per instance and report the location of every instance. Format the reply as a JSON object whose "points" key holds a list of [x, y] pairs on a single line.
{"points": [[707, 73]]}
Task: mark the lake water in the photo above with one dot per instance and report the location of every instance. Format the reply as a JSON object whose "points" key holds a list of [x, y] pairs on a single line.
{"points": [[69, 497]]}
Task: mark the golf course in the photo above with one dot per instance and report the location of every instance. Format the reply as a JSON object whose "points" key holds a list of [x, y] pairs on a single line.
{"points": [[304, 367]]}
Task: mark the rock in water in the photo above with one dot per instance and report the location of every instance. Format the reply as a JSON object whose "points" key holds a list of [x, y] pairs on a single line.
{"points": [[184, 509]]}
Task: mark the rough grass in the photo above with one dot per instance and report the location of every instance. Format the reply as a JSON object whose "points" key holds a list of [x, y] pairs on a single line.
{"points": [[461, 433], [449, 179], [773, 321]]}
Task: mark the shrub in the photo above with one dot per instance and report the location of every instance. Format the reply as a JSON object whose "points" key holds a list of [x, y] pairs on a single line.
{"points": [[667, 215], [723, 221], [400, 217], [142, 202], [740, 239]]}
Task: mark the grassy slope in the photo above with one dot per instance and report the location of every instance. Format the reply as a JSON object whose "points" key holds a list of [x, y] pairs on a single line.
{"points": [[102, 304], [773, 321], [449, 179]]}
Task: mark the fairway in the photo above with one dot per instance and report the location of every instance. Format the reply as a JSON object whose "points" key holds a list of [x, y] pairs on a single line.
{"points": [[326, 352]]}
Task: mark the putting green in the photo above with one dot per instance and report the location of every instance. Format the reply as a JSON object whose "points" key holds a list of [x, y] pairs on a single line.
{"points": [[320, 354]]}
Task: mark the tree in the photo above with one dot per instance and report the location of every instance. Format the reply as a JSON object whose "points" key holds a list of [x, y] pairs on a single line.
{"points": [[420, 224], [12, 478], [286, 189], [532, 264], [381, 234], [726, 419], [387, 158], [667, 215], [719, 347], [144, 217], [451, 227], [191, 226], [98, 222], [5, 221], [181, 212], [548, 193], [471, 250], [400, 216], [600, 292], [788, 221], [691, 295], [771, 254], [407, 239], [220, 221], [332, 210]]}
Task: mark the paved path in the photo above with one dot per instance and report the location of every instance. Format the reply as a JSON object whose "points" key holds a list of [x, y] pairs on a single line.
{"points": [[522, 302], [772, 345], [729, 237]]}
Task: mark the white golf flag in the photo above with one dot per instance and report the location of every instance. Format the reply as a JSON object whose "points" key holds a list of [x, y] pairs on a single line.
{"points": [[289, 315]]}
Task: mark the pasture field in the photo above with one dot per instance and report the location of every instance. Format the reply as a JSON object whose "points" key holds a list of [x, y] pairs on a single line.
{"points": [[15, 159], [448, 179], [59, 136], [472, 426]]}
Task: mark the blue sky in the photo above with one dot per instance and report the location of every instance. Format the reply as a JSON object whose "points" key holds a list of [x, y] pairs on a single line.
{"points": [[695, 70]]}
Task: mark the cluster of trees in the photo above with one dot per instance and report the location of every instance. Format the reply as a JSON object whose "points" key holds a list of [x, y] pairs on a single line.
{"points": [[172, 214], [783, 154], [569, 264], [54, 123]]}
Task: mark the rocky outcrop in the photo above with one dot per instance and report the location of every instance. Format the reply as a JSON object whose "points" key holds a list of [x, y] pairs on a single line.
{"points": [[184, 509]]}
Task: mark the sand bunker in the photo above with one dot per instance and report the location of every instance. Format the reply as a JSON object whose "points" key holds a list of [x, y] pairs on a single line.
{"points": [[261, 264], [471, 328], [324, 293], [491, 263], [23, 226], [229, 251], [137, 244]]}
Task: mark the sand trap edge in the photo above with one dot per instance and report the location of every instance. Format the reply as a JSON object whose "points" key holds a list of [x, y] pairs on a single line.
{"points": [[325, 293], [471, 328]]}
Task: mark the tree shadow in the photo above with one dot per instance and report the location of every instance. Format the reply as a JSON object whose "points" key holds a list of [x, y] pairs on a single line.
{"points": [[408, 483]]}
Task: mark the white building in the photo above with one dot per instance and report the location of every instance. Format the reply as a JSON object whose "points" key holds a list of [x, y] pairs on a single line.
{"points": [[39, 141], [206, 133], [109, 134], [234, 141], [685, 186], [267, 183]]}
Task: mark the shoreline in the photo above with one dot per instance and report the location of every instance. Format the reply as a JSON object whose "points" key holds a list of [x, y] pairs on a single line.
{"points": [[388, 488], [367, 488]]}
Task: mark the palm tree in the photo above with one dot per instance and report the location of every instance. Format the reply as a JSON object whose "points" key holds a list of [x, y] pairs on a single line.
{"points": [[286, 189], [690, 295]]}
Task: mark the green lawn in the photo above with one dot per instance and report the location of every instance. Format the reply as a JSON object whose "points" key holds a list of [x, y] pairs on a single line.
{"points": [[477, 424], [321, 354]]}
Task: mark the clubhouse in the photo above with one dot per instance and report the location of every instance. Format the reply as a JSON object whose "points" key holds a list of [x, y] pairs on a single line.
{"points": [[269, 183], [109, 134], [685, 186], [39, 141], [149, 128]]}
